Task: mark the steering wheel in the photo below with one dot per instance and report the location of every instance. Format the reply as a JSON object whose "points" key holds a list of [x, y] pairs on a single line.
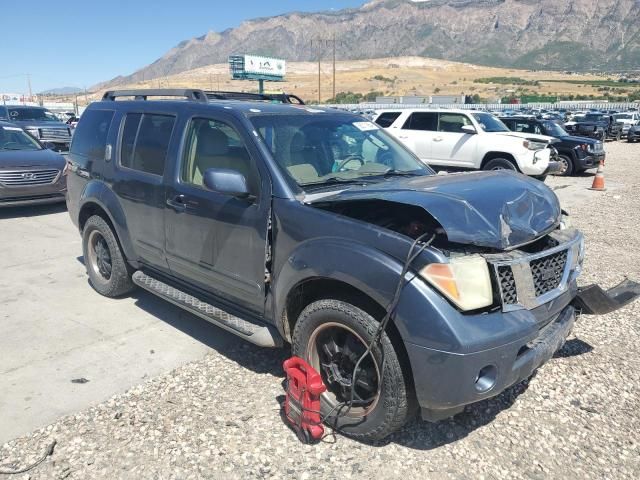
{"points": [[350, 158]]}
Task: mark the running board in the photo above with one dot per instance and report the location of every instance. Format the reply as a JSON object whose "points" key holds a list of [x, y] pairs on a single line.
{"points": [[255, 333]]}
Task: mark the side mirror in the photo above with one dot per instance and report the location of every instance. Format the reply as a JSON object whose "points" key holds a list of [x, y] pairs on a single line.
{"points": [[470, 129], [227, 182]]}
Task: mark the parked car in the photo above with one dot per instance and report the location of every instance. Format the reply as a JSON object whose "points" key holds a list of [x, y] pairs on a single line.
{"points": [[627, 119], [316, 227], [576, 154], [30, 173], [466, 140], [594, 125], [633, 134], [40, 123]]}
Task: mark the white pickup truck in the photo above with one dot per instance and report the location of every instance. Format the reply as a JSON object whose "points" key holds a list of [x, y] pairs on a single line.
{"points": [[468, 140]]}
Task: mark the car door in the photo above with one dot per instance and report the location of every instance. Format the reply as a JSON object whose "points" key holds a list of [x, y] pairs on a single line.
{"points": [[451, 145], [215, 241], [138, 181], [417, 133]]}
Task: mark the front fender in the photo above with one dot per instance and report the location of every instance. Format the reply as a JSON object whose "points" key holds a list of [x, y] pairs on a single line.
{"points": [[99, 193], [367, 269]]}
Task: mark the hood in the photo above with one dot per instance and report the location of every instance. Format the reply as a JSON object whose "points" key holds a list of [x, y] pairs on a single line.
{"points": [[580, 140], [500, 209], [529, 136], [10, 159], [39, 124]]}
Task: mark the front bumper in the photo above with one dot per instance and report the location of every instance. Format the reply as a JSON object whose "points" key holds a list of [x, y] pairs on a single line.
{"points": [[591, 160], [445, 382], [31, 200]]}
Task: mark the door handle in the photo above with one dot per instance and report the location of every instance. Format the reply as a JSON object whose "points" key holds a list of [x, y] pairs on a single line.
{"points": [[402, 137], [438, 139], [177, 203]]}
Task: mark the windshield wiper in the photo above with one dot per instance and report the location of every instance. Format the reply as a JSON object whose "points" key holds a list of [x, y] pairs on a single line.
{"points": [[335, 180]]}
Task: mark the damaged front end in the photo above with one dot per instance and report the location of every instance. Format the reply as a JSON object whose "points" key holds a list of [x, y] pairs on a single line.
{"points": [[514, 223]]}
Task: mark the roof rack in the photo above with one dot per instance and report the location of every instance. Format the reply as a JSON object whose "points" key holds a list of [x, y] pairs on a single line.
{"points": [[192, 94], [254, 97]]}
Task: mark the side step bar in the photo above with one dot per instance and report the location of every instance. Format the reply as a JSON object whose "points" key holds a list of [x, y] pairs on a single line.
{"points": [[258, 334]]}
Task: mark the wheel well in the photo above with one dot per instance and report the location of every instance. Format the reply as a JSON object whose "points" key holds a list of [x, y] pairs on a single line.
{"points": [[90, 209], [506, 156], [309, 291]]}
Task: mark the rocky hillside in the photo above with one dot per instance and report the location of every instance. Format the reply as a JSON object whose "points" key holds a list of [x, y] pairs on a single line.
{"points": [[549, 34]]}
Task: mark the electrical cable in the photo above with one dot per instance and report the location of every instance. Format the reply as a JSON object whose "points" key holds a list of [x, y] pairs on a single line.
{"points": [[48, 452]]}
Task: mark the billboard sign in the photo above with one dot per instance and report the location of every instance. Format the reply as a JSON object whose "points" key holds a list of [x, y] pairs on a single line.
{"points": [[265, 66]]}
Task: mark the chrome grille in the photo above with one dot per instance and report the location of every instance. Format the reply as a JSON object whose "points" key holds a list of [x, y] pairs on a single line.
{"points": [[28, 177], [547, 272], [54, 133], [527, 279]]}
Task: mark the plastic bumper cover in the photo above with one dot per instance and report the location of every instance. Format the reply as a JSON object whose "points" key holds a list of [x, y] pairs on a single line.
{"points": [[445, 382]]}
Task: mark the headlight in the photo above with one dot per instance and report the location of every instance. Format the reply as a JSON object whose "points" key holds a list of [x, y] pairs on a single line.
{"points": [[532, 145], [34, 132], [464, 280], [565, 222]]}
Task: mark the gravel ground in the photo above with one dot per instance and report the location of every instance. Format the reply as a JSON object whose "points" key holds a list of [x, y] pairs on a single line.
{"points": [[578, 417]]}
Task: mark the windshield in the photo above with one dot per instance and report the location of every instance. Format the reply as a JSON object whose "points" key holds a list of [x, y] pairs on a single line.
{"points": [[14, 138], [39, 114], [319, 150], [489, 123], [554, 130], [623, 116]]}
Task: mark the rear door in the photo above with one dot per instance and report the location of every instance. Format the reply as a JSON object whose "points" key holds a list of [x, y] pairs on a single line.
{"points": [[216, 241], [417, 133], [451, 145], [141, 159]]}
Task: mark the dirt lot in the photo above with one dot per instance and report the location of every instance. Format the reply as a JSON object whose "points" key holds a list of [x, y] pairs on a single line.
{"points": [[578, 417]]}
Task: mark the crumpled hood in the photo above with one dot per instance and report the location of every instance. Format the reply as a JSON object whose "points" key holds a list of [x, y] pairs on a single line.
{"points": [[498, 209]]}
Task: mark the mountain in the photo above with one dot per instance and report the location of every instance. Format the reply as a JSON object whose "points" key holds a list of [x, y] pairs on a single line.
{"points": [[536, 34], [62, 91]]}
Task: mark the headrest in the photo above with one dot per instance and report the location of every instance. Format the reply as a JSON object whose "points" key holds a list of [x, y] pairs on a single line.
{"points": [[212, 141], [298, 143]]}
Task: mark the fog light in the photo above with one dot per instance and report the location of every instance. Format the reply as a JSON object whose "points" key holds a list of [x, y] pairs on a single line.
{"points": [[486, 378]]}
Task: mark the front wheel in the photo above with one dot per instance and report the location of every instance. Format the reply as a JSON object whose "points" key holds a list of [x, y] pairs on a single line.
{"points": [[331, 336], [566, 166], [500, 164], [107, 268]]}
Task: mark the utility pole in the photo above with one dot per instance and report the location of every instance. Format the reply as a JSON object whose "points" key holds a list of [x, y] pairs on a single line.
{"points": [[320, 42], [333, 41], [29, 85]]}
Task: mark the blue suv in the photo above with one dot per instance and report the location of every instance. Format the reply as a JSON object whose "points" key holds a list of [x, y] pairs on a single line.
{"points": [[293, 224]]}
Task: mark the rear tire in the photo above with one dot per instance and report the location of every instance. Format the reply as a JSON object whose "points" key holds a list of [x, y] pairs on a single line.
{"points": [[500, 164], [108, 271], [331, 335]]}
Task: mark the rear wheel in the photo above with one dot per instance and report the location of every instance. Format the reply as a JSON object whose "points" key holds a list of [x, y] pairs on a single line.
{"points": [[566, 166], [500, 164], [332, 336], [107, 268]]}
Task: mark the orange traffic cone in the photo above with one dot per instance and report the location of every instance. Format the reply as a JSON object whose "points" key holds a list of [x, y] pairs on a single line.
{"points": [[598, 180]]}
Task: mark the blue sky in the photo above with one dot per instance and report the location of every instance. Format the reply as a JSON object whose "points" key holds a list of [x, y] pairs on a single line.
{"points": [[80, 43]]}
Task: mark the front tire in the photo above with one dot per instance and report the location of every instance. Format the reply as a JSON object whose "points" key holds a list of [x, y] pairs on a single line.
{"points": [[567, 166], [331, 336], [500, 164], [109, 273]]}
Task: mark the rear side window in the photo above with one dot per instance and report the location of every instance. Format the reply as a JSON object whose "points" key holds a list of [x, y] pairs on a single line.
{"points": [[90, 137], [452, 122], [422, 121], [386, 119], [528, 127], [145, 141]]}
